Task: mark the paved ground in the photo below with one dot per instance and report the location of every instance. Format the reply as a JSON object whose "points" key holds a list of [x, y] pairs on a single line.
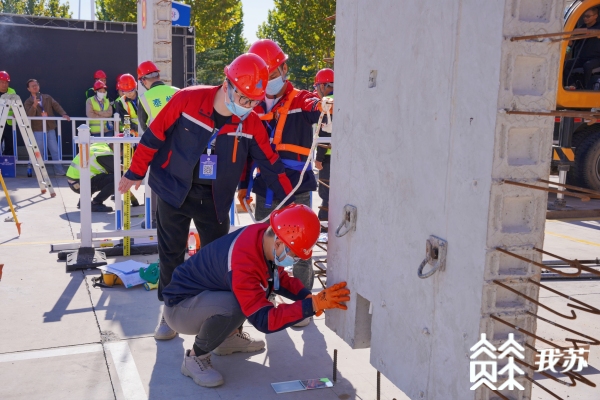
{"points": [[62, 339]]}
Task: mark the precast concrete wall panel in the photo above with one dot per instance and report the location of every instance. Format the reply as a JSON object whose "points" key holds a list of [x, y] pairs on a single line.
{"points": [[421, 146]]}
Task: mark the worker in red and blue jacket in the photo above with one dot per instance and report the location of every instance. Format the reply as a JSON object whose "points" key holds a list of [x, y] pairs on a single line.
{"points": [[197, 147], [289, 115], [233, 278]]}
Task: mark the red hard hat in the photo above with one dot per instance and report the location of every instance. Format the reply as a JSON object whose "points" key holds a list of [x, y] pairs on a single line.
{"points": [[269, 51], [249, 74], [99, 74], [99, 85], [298, 227], [145, 68], [118, 77], [4, 76], [126, 83], [324, 76]]}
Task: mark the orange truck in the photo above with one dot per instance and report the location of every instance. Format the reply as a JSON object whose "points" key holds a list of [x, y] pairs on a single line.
{"points": [[577, 144]]}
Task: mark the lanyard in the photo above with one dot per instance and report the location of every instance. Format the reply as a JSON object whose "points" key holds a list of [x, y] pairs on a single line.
{"points": [[209, 146], [100, 103]]}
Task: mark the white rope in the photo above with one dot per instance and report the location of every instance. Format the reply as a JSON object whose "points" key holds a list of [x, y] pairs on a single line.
{"points": [[309, 159]]}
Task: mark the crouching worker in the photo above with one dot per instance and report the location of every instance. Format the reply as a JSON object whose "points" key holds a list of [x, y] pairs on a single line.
{"points": [[102, 173], [232, 279]]}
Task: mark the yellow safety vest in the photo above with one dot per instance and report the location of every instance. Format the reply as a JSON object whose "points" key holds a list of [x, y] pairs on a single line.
{"points": [[130, 111], [95, 124], [155, 99], [10, 113], [96, 150]]}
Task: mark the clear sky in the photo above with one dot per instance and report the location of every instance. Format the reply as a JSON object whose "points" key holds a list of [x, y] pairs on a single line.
{"points": [[255, 13]]}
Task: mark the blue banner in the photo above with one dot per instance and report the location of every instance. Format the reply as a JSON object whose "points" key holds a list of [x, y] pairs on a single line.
{"points": [[180, 14]]}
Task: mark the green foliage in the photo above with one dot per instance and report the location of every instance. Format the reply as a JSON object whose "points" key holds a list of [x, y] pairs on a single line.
{"points": [[213, 20], [45, 8], [116, 10], [299, 27], [210, 63]]}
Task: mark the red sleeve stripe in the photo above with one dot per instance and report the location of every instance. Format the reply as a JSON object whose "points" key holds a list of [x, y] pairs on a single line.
{"points": [[141, 159], [284, 181], [284, 314]]}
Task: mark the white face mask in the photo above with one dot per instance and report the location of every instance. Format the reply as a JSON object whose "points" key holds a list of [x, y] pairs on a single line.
{"points": [[100, 95]]}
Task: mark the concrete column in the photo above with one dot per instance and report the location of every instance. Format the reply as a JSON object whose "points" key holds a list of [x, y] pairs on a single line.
{"points": [[154, 35], [421, 144]]}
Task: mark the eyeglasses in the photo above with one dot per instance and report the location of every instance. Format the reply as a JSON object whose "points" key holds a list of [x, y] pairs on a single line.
{"points": [[587, 16], [244, 101], [325, 84]]}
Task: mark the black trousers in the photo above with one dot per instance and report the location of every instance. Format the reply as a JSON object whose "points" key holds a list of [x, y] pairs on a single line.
{"points": [[587, 65], [324, 190], [173, 228], [102, 183], [7, 141]]}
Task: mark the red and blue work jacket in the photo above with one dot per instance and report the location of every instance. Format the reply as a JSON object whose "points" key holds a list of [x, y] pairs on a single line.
{"points": [[294, 143], [236, 263], [179, 135]]}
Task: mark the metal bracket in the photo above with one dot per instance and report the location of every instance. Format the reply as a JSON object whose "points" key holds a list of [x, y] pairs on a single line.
{"points": [[349, 221], [435, 255]]}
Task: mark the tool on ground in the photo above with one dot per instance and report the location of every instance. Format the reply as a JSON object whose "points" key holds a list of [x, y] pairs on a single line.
{"points": [[299, 385], [151, 273], [8, 101], [10, 205], [334, 365], [150, 286], [106, 280], [127, 196]]}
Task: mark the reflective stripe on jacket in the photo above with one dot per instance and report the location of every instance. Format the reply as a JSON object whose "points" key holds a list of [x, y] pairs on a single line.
{"points": [[96, 150], [10, 113], [95, 124], [155, 99]]}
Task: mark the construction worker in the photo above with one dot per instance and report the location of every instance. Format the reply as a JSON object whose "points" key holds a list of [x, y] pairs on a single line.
{"points": [[157, 93], [98, 76], [102, 174], [127, 102], [197, 127], [99, 106], [119, 91], [324, 87], [288, 114], [214, 291], [7, 143]]}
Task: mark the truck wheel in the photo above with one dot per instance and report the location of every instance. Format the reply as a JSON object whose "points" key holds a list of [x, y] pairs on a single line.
{"points": [[587, 162], [574, 176]]}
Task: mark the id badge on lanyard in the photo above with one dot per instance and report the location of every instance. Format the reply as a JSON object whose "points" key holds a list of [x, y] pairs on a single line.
{"points": [[208, 162]]}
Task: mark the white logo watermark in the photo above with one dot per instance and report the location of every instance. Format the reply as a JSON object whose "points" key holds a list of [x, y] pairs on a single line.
{"points": [[486, 372]]}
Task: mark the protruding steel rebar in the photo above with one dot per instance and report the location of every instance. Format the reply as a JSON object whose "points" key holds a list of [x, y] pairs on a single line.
{"points": [[378, 385], [335, 365], [526, 332], [593, 194], [556, 271], [576, 34], [584, 307], [595, 342], [573, 315], [582, 197], [572, 263]]}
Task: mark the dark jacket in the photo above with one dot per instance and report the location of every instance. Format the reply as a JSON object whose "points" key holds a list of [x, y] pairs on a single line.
{"points": [[49, 105], [236, 263], [118, 106], [298, 130], [587, 49], [177, 138]]}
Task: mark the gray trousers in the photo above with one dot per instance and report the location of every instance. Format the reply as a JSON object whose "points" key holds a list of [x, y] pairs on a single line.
{"points": [[211, 316], [303, 269]]}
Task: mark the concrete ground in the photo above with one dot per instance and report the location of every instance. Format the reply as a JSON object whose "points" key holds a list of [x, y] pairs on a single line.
{"points": [[62, 339]]}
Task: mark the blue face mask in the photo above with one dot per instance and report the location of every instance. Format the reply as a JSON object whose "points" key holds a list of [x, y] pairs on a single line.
{"points": [[234, 108], [275, 85], [284, 260]]}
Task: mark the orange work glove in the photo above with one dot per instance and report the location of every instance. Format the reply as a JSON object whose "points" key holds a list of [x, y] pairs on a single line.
{"points": [[241, 194], [332, 297]]}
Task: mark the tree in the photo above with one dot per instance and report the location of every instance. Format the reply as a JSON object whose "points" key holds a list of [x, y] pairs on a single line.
{"points": [[303, 33], [210, 63], [213, 20], [117, 10], [45, 8]]}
